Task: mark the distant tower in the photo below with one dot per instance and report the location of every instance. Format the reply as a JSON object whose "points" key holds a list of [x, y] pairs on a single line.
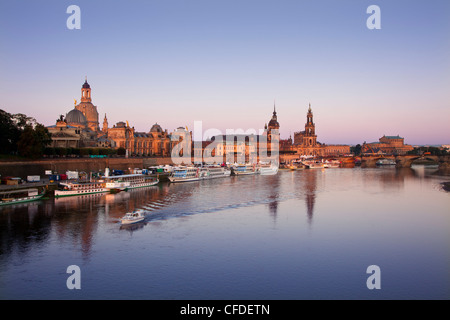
{"points": [[273, 134], [105, 125], [87, 108], [273, 123], [310, 130], [86, 92]]}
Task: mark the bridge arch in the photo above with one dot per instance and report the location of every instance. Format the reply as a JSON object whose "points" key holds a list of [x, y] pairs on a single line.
{"points": [[405, 161]]}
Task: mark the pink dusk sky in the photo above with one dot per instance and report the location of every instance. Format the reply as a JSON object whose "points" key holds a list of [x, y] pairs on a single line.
{"points": [[225, 63]]}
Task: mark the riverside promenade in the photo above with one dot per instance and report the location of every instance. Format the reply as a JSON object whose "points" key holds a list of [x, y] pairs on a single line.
{"points": [[61, 165]]}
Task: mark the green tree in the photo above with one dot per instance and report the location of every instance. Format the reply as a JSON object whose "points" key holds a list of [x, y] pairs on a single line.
{"points": [[356, 150], [121, 151], [9, 133], [32, 141], [21, 121]]}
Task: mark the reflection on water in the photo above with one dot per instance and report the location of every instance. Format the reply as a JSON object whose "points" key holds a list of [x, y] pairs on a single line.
{"points": [[78, 217], [80, 224]]}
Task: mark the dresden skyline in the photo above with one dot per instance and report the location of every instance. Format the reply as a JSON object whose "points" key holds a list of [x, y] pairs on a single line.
{"points": [[225, 63]]}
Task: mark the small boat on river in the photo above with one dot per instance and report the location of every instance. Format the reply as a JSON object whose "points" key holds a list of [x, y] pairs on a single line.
{"points": [[385, 162], [133, 217]]}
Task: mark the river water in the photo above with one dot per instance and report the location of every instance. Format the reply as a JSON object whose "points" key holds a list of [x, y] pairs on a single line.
{"points": [[307, 234]]}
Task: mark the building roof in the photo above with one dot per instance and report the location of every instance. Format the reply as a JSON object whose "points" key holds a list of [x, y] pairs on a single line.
{"points": [[142, 135], [86, 85], [393, 137], [156, 128], [76, 116], [273, 123]]}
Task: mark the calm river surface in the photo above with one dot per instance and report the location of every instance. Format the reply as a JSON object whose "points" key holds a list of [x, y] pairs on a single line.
{"points": [[307, 234]]}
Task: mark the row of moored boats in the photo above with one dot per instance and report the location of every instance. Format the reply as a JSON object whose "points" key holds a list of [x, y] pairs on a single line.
{"points": [[116, 183], [314, 164], [122, 182], [193, 173]]}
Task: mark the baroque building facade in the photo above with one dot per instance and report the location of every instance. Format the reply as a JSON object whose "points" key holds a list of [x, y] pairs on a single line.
{"points": [[387, 145], [248, 148], [80, 128]]}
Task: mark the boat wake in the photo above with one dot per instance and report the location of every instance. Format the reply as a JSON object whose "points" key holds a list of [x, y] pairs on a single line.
{"points": [[219, 195], [161, 210]]}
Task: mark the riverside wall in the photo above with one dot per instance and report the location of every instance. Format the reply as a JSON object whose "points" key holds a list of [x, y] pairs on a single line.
{"points": [[60, 166]]}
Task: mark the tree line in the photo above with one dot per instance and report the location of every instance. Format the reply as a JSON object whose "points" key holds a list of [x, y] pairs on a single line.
{"points": [[22, 135], [434, 151]]}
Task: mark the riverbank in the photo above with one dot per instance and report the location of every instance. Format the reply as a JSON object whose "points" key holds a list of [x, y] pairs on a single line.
{"points": [[23, 168], [49, 186]]}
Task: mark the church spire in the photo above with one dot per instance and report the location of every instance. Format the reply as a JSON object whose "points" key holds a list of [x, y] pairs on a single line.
{"points": [[105, 124], [274, 116]]}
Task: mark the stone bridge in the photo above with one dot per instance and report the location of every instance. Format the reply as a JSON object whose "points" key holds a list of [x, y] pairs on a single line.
{"points": [[405, 161]]}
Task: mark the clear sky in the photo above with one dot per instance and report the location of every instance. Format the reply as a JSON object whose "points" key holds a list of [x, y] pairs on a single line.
{"points": [[224, 62]]}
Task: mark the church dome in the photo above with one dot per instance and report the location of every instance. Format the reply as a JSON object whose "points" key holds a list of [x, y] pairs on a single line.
{"points": [[89, 110], [156, 128], [273, 123], [86, 85], [76, 117]]}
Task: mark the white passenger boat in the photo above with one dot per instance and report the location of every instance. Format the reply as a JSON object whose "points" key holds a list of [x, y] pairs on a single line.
{"points": [[185, 174], [215, 171], [297, 164], [129, 181], [331, 164], [385, 162], [67, 189], [133, 217], [268, 168], [244, 169], [313, 164], [116, 185], [20, 196]]}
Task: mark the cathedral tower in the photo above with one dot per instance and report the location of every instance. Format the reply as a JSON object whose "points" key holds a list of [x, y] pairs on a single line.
{"points": [[86, 92], [87, 108], [310, 138], [105, 125], [310, 127]]}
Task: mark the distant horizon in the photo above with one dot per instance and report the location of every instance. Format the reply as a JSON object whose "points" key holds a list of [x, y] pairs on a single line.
{"points": [[224, 128], [225, 63]]}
